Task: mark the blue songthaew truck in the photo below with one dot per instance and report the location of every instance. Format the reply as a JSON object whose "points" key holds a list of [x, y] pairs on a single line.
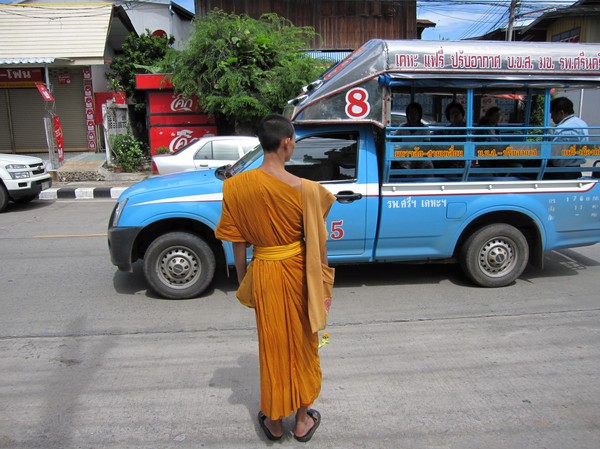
{"points": [[492, 196]]}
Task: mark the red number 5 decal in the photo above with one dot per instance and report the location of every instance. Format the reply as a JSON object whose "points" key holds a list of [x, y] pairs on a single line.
{"points": [[337, 232], [357, 103]]}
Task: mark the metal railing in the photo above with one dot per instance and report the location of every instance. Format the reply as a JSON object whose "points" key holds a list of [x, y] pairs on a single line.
{"points": [[473, 153]]}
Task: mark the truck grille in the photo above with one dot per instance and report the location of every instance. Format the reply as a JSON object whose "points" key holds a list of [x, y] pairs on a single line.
{"points": [[37, 169]]}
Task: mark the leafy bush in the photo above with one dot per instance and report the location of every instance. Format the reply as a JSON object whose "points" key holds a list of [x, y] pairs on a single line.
{"points": [[127, 151], [163, 150], [243, 68], [144, 51]]}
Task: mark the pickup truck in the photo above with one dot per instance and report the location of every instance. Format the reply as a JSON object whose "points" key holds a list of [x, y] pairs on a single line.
{"points": [[493, 207], [22, 178]]}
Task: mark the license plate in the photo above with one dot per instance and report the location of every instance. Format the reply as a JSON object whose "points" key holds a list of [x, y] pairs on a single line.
{"points": [[46, 185]]}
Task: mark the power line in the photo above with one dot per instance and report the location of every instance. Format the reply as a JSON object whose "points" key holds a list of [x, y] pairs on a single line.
{"points": [[480, 26], [481, 16]]}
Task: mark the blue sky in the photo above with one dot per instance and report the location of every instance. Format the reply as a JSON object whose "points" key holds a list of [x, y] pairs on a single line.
{"points": [[187, 4], [462, 19]]}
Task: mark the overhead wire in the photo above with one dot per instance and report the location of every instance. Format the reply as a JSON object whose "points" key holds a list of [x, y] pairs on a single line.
{"points": [[481, 20]]}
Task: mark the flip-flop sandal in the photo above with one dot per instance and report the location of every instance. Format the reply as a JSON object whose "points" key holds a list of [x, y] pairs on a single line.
{"points": [[316, 417], [261, 420]]}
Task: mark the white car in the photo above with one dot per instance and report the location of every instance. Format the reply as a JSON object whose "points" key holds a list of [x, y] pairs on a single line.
{"points": [[206, 152], [22, 178]]}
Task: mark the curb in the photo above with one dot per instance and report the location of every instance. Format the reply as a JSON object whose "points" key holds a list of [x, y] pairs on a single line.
{"points": [[83, 193]]}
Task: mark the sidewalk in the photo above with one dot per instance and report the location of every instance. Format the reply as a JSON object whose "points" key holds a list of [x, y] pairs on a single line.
{"points": [[84, 176]]}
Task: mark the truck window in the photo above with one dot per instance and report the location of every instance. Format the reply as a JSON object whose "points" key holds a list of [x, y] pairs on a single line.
{"points": [[502, 131], [325, 157]]}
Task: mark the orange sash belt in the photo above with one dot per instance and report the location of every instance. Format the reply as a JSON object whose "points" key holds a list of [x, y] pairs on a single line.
{"points": [[278, 252]]}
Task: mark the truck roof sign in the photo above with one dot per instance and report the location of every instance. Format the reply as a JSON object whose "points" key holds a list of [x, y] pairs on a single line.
{"points": [[354, 88]]}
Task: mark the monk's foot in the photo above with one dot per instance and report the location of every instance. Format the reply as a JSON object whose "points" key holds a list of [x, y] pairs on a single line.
{"points": [[306, 425], [272, 429]]}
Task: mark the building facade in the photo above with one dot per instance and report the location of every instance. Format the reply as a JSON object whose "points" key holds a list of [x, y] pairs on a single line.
{"points": [[68, 48], [341, 25]]}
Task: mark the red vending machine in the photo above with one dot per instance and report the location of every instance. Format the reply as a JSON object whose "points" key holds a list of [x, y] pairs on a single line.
{"points": [[173, 120]]}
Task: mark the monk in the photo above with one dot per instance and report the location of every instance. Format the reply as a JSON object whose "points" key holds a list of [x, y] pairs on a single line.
{"points": [[263, 208]]}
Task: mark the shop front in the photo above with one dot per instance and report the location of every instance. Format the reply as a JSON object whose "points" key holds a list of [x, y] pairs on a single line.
{"points": [[67, 49]]}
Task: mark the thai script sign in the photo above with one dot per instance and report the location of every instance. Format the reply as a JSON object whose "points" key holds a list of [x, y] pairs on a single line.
{"points": [[12, 78], [575, 150], [410, 202], [509, 151], [401, 152], [467, 60]]}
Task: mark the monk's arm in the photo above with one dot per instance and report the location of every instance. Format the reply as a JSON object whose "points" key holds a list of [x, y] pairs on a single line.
{"points": [[239, 258]]}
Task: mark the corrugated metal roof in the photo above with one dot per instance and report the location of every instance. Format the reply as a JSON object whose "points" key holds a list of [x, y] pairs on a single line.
{"points": [[75, 32]]}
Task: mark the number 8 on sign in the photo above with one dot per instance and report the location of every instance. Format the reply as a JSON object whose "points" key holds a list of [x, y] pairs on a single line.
{"points": [[357, 104]]}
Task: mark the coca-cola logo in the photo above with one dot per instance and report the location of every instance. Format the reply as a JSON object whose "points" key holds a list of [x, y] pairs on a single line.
{"points": [[182, 138], [181, 104]]}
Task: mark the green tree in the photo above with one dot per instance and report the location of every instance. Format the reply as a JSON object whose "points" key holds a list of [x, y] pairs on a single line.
{"points": [[241, 68], [139, 54]]}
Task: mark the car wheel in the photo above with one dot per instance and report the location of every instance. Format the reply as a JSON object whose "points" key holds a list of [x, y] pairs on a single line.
{"points": [[179, 265], [3, 197], [495, 255]]}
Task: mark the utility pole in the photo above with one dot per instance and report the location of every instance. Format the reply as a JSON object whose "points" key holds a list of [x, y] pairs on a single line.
{"points": [[511, 19]]}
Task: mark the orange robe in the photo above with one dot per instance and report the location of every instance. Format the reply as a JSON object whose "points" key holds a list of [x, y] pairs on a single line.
{"points": [[264, 211]]}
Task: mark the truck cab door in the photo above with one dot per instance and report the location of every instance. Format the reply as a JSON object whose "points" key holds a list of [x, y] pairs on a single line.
{"points": [[333, 159]]}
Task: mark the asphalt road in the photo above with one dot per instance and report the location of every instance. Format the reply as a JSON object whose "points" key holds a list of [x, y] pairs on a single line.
{"points": [[418, 358]]}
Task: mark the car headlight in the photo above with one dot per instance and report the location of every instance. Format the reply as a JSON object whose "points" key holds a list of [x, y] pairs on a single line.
{"points": [[20, 174], [117, 213]]}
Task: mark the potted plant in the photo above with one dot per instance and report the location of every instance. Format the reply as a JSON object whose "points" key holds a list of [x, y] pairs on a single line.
{"points": [[163, 150], [127, 152]]}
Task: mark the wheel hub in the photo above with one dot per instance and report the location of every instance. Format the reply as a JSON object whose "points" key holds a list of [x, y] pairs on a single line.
{"points": [[178, 267], [497, 256]]}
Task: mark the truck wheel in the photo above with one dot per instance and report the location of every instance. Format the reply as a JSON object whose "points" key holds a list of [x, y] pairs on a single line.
{"points": [[495, 255], [3, 197], [179, 265]]}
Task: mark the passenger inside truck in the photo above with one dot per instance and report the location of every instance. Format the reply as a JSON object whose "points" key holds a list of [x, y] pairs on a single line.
{"points": [[481, 129]]}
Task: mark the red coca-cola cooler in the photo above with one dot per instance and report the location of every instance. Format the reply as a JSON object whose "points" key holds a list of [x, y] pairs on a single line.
{"points": [[173, 120]]}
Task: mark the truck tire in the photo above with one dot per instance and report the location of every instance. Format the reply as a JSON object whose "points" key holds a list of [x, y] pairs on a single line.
{"points": [[3, 197], [179, 265], [494, 255]]}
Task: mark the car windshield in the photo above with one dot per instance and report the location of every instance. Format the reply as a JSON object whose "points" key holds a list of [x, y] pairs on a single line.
{"points": [[241, 164]]}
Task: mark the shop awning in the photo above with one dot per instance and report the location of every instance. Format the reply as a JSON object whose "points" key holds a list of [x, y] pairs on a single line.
{"points": [[59, 34], [26, 61]]}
